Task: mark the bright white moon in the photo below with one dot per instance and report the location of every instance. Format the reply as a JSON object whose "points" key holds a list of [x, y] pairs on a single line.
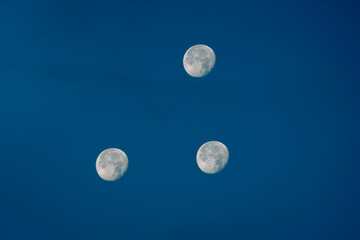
{"points": [[111, 164], [212, 157], [199, 60]]}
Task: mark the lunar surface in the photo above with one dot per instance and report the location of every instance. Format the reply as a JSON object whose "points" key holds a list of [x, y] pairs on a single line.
{"points": [[112, 164], [212, 157], [199, 60]]}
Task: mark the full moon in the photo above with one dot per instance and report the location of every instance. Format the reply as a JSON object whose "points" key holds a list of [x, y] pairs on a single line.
{"points": [[212, 157], [199, 60], [111, 164]]}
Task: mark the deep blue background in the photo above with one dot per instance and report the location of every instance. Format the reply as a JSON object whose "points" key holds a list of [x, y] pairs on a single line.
{"points": [[77, 77]]}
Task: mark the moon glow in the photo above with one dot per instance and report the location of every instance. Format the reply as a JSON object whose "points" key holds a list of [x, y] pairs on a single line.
{"points": [[199, 60], [212, 157], [111, 164]]}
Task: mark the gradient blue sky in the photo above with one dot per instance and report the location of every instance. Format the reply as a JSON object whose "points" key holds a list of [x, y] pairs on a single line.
{"points": [[77, 77]]}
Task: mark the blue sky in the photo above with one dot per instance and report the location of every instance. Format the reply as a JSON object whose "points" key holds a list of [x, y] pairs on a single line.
{"points": [[77, 77]]}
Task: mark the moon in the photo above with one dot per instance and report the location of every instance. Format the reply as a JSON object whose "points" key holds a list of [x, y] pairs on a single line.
{"points": [[112, 164], [212, 157], [199, 60]]}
